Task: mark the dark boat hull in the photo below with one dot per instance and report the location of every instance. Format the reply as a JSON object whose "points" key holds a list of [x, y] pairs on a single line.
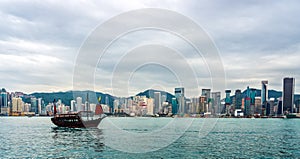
{"points": [[74, 121]]}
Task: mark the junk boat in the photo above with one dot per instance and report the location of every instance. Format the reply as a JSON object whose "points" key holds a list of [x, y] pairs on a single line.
{"points": [[81, 119]]}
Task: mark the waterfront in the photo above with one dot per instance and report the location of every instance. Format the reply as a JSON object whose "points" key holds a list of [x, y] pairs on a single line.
{"points": [[37, 137]]}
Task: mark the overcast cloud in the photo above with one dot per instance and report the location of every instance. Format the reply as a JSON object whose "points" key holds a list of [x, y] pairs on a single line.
{"points": [[40, 40]]}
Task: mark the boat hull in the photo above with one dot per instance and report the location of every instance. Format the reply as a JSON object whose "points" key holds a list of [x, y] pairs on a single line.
{"points": [[74, 121]]}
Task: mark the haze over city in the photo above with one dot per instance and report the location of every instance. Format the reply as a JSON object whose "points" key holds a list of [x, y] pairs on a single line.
{"points": [[39, 43]]}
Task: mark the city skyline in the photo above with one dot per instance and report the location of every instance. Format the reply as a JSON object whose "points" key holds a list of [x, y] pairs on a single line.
{"points": [[40, 41]]}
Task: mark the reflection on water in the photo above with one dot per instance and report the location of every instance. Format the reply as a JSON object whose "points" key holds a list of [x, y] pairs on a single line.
{"points": [[87, 138]]}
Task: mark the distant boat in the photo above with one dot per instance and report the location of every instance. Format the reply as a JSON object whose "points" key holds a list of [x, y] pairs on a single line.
{"points": [[82, 119], [292, 115], [253, 117]]}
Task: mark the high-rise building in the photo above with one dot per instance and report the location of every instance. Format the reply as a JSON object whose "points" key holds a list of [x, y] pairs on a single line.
{"points": [[17, 104], [157, 102], [270, 107], [73, 105], [79, 104], [288, 94], [34, 105], [39, 105], [279, 107], [238, 99], [227, 102], [227, 98], [202, 104], [195, 106], [257, 106], [247, 106], [216, 102], [264, 92], [206, 93], [150, 106], [252, 96], [3, 102], [174, 106], [179, 95]]}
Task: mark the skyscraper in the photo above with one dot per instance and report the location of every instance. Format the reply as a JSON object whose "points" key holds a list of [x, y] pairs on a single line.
{"points": [[202, 105], [238, 99], [79, 104], [227, 99], [206, 93], [73, 109], [157, 102], [174, 106], [264, 92], [150, 102], [247, 106], [252, 96], [179, 95], [227, 102], [3, 101], [216, 102], [34, 105], [288, 94]]}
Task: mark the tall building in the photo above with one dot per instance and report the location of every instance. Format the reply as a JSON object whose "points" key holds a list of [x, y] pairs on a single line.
{"points": [[195, 106], [264, 92], [79, 104], [17, 104], [3, 102], [174, 106], [279, 107], [39, 105], [216, 102], [247, 106], [238, 99], [73, 105], [270, 107], [252, 96], [150, 106], [157, 102], [202, 105], [227, 98], [34, 105], [179, 95], [257, 106], [206, 93], [288, 94], [227, 102]]}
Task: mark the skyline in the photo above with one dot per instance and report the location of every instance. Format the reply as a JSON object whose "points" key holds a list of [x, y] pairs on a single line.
{"points": [[40, 42]]}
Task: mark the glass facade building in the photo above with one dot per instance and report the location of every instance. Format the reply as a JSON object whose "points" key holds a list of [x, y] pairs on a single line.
{"points": [[288, 94]]}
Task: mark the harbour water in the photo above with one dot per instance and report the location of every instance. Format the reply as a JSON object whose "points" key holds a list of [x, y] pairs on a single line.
{"points": [[37, 137]]}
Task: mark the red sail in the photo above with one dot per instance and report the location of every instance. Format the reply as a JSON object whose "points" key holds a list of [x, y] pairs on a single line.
{"points": [[98, 110], [54, 109]]}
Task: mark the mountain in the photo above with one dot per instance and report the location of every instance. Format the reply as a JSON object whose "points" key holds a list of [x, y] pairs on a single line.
{"points": [[150, 93], [66, 97]]}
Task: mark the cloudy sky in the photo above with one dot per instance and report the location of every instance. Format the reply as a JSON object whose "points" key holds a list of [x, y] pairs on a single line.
{"points": [[40, 43]]}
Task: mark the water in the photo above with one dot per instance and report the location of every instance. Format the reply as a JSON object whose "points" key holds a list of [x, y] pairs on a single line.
{"points": [[37, 137]]}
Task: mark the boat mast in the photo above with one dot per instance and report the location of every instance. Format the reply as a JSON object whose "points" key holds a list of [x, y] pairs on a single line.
{"points": [[54, 107]]}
